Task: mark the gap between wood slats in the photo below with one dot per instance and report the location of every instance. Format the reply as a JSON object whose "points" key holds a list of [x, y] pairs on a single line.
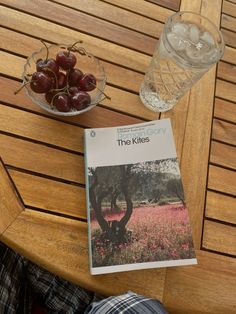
{"points": [[224, 132], [170, 4], [143, 8], [88, 24], [229, 8], [223, 155], [49, 195], [219, 237], [222, 180], [120, 17], [228, 22], [225, 110], [220, 207], [227, 72]]}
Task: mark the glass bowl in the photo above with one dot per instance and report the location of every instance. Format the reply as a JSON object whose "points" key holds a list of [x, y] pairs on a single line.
{"points": [[86, 62]]}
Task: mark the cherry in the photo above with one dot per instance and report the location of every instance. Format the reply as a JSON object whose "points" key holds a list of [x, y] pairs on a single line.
{"points": [[74, 76], [73, 90], [66, 59], [62, 102], [49, 95], [61, 79], [80, 100], [87, 82], [49, 66], [40, 82]]}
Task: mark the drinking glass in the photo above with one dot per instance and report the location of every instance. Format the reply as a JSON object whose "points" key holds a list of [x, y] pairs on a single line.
{"points": [[189, 46]]}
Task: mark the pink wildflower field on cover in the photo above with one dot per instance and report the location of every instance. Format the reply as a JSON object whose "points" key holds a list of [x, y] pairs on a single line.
{"points": [[158, 233]]}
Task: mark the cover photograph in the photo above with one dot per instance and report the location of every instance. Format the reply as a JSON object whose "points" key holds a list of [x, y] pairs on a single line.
{"points": [[137, 215]]}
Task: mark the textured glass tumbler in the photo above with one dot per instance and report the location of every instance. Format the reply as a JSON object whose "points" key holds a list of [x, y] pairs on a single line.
{"points": [[189, 46]]}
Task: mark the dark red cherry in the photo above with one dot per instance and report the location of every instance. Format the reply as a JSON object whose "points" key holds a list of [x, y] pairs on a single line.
{"points": [[80, 100], [61, 78], [66, 59], [88, 82], [49, 95], [49, 66], [62, 102], [73, 90], [40, 82], [74, 76]]}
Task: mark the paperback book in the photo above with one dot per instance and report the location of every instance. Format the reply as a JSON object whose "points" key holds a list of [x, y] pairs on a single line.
{"points": [[137, 215]]}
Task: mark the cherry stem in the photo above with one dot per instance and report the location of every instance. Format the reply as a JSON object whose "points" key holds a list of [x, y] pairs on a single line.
{"points": [[46, 49], [105, 95], [19, 89], [74, 44]]}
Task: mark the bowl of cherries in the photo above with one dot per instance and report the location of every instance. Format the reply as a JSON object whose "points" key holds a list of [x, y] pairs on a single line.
{"points": [[64, 80]]}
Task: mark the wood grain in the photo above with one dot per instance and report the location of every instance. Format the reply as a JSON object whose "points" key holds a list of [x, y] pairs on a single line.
{"points": [[229, 37], [224, 131], [219, 237], [229, 55], [98, 117], [41, 129], [225, 110], [228, 22], [222, 180], [221, 207], [227, 71], [116, 75], [82, 22], [50, 195], [229, 8], [19, 21], [144, 8], [225, 90], [116, 15], [223, 155], [10, 205], [63, 250], [206, 288], [170, 4], [41, 159]]}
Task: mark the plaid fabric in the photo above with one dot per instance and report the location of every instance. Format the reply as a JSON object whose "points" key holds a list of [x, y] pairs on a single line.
{"points": [[22, 282], [129, 303]]}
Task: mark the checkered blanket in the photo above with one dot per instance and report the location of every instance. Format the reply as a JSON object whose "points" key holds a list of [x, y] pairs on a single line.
{"points": [[26, 288]]}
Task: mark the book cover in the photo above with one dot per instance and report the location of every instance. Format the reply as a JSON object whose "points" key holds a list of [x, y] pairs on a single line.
{"points": [[137, 215]]}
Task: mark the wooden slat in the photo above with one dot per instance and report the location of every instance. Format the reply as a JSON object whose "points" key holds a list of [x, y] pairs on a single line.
{"points": [[98, 117], [82, 22], [222, 180], [206, 288], [60, 245], [229, 55], [225, 110], [223, 155], [229, 8], [41, 159], [227, 71], [170, 4], [221, 207], [228, 22], [219, 237], [116, 15], [10, 205], [144, 8], [224, 131], [18, 21], [40, 128], [225, 90], [54, 196], [229, 37], [197, 138]]}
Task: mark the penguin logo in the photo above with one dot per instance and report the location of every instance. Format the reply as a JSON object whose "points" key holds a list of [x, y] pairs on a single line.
{"points": [[92, 133]]}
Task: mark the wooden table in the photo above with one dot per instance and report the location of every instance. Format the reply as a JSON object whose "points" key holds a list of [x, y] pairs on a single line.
{"points": [[42, 189]]}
